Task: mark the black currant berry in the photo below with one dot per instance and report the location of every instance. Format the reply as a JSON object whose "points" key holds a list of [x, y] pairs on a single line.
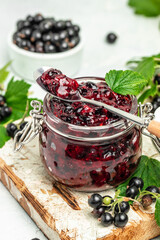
{"points": [[11, 128], [153, 189], [20, 25], [147, 200], [46, 25], [26, 24], [36, 36], [23, 125], [97, 212], [38, 18], [111, 38], [76, 28], [49, 48], [74, 41], [60, 25], [68, 23], [71, 32], [120, 219], [122, 207], [25, 33], [63, 46], [157, 79], [55, 38], [132, 192], [5, 111], [47, 36], [35, 239], [138, 182], [106, 219], [30, 19], [63, 34], [2, 100], [39, 46], [25, 44], [95, 200]]}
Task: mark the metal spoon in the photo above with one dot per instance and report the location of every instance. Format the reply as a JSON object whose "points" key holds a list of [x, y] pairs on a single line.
{"points": [[78, 97], [151, 125]]}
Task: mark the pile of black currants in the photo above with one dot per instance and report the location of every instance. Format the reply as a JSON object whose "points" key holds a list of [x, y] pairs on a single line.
{"points": [[5, 111], [114, 210], [46, 35]]}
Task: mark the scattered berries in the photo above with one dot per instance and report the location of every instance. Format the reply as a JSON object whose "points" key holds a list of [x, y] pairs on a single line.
{"points": [[132, 192], [56, 36], [97, 212], [11, 129], [138, 182], [153, 189], [111, 38], [122, 207], [120, 219], [119, 207], [106, 219], [95, 200], [5, 111], [146, 201]]}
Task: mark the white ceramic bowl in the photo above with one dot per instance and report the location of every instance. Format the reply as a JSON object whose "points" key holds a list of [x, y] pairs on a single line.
{"points": [[25, 62]]}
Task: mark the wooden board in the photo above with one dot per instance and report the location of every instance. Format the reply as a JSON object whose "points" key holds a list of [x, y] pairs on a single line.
{"points": [[59, 212]]}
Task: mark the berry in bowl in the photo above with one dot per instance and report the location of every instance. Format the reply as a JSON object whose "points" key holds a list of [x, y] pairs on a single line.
{"points": [[45, 41], [84, 146]]}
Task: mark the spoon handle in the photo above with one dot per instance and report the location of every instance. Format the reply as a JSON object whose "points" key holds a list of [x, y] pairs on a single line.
{"points": [[133, 118], [154, 128]]}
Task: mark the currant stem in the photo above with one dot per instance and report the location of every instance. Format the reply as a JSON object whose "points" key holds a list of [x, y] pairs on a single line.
{"points": [[25, 114]]}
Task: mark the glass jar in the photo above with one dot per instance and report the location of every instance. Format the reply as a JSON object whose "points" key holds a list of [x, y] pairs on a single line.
{"points": [[89, 158]]}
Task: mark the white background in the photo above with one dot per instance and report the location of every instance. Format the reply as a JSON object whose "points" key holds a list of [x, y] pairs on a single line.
{"points": [[137, 36]]}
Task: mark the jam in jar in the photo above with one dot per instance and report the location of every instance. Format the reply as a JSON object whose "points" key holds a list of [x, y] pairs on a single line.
{"points": [[86, 147]]}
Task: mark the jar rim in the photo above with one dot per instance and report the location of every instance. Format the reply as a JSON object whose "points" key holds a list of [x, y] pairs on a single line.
{"points": [[120, 123]]}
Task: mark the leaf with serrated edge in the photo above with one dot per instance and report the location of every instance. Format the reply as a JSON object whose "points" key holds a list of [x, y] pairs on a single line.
{"points": [[3, 136], [146, 67], [125, 82], [16, 98], [157, 211], [148, 169], [149, 8]]}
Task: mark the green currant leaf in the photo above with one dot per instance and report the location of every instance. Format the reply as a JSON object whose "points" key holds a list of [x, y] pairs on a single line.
{"points": [[149, 8], [125, 82], [148, 169], [150, 92], [146, 67], [157, 211], [3, 136], [16, 98]]}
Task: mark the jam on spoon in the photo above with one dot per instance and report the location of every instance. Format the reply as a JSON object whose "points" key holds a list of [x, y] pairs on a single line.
{"points": [[83, 111]]}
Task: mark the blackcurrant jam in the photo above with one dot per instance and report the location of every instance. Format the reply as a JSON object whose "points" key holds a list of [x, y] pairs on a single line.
{"points": [[86, 147]]}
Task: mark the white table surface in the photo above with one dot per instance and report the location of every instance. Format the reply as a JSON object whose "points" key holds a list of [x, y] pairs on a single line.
{"points": [[137, 36]]}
